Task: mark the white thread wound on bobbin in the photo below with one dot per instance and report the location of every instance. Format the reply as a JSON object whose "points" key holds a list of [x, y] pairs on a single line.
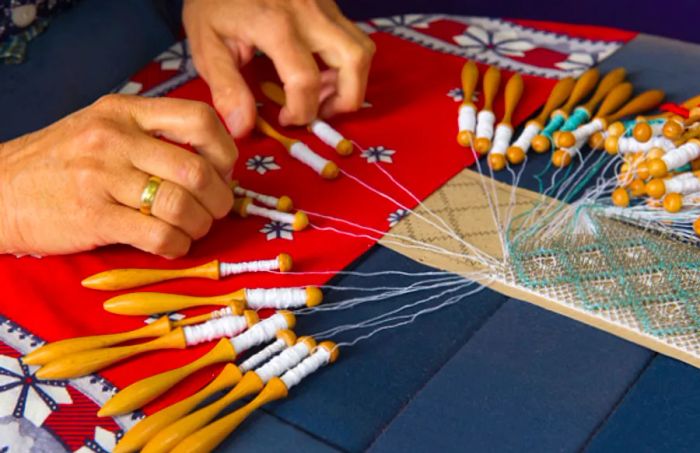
{"points": [[304, 154], [261, 332], [504, 133], [262, 356], [286, 360], [278, 298], [466, 121], [682, 155], [582, 133], [226, 311], [326, 133], [312, 363], [226, 269], [682, 186], [657, 129], [626, 145], [271, 214], [484, 124], [267, 200], [226, 326], [527, 136]]}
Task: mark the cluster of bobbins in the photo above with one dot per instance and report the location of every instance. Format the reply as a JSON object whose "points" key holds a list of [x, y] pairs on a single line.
{"points": [[280, 363], [661, 161], [570, 124]]}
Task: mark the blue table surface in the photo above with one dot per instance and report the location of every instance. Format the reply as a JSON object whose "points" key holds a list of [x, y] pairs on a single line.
{"points": [[487, 374]]}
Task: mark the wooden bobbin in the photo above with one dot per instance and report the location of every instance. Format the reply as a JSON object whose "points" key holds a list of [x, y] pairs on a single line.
{"points": [[583, 86], [620, 197], [149, 303], [209, 437], [250, 384], [244, 207], [673, 202], [696, 226], [52, 351], [282, 204], [560, 91], [491, 82], [142, 392], [504, 130], [275, 93], [329, 169], [469, 79]]}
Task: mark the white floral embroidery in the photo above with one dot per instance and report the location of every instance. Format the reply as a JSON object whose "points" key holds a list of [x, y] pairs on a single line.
{"points": [[457, 95], [396, 216], [103, 442], [131, 87], [174, 316], [408, 20], [176, 58], [22, 394], [503, 42], [12, 440], [277, 230], [261, 164], [375, 154]]}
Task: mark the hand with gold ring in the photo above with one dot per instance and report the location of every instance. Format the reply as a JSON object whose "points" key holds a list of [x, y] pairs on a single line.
{"points": [[80, 183]]}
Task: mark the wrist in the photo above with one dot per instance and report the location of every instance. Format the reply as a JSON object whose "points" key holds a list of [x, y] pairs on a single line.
{"points": [[5, 210]]}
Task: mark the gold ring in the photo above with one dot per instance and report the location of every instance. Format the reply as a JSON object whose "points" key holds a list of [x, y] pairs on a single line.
{"points": [[149, 194]]}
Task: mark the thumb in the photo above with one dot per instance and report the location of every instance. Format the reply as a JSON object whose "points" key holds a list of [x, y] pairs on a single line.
{"points": [[219, 66]]}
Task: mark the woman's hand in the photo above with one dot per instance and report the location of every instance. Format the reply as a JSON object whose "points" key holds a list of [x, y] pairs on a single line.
{"points": [[223, 35], [77, 184]]}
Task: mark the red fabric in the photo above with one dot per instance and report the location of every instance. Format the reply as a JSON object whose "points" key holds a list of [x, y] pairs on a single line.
{"points": [[411, 113]]}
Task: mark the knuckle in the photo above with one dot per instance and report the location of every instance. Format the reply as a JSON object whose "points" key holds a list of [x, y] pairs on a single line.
{"points": [[110, 101], [161, 238], [224, 206], [97, 133], [198, 173], [358, 55], [280, 20], [204, 116], [172, 201], [202, 228]]}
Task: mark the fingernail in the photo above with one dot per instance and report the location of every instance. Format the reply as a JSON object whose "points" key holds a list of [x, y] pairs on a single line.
{"points": [[234, 122]]}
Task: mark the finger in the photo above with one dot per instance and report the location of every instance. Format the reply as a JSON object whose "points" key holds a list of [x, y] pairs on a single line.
{"points": [[298, 72], [124, 225], [186, 169], [172, 203], [218, 64], [187, 122]]}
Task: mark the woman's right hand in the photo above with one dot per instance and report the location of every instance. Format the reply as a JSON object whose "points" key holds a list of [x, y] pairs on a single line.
{"points": [[77, 184]]}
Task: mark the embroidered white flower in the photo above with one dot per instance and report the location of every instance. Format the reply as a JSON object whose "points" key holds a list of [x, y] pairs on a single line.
{"points": [[579, 62], [277, 230], [174, 316], [502, 42], [261, 164], [103, 442], [407, 20], [396, 216], [12, 440], [457, 95], [22, 394], [131, 87], [375, 154], [176, 58]]}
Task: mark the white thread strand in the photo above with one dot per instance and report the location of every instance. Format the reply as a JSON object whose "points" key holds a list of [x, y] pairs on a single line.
{"points": [[305, 155], [267, 200], [226, 269], [326, 133], [682, 155], [260, 333], [271, 214], [286, 360], [504, 133], [683, 186], [278, 298], [466, 121], [262, 356], [626, 145], [312, 363], [484, 124], [527, 136], [226, 326], [582, 133]]}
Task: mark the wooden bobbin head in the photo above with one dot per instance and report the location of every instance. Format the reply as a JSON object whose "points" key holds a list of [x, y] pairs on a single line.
{"points": [[251, 317], [620, 197], [597, 141], [541, 144], [330, 171], [284, 204], [616, 129], [314, 296], [289, 317], [655, 153], [656, 188], [482, 145], [695, 165], [497, 162], [565, 139], [287, 336], [301, 221], [332, 348], [637, 188], [673, 128], [308, 341], [696, 226], [561, 158], [624, 177], [673, 202], [344, 147], [611, 144], [643, 171], [515, 155], [240, 206], [465, 138], [285, 262], [642, 131], [657, 168]]}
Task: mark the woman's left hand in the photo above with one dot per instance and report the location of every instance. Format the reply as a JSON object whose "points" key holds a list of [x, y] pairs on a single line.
{"points": [[224, 34]]}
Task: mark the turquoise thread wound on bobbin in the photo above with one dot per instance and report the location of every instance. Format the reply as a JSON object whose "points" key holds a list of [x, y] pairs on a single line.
{"points": [[580, 116], [554, 124]]}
